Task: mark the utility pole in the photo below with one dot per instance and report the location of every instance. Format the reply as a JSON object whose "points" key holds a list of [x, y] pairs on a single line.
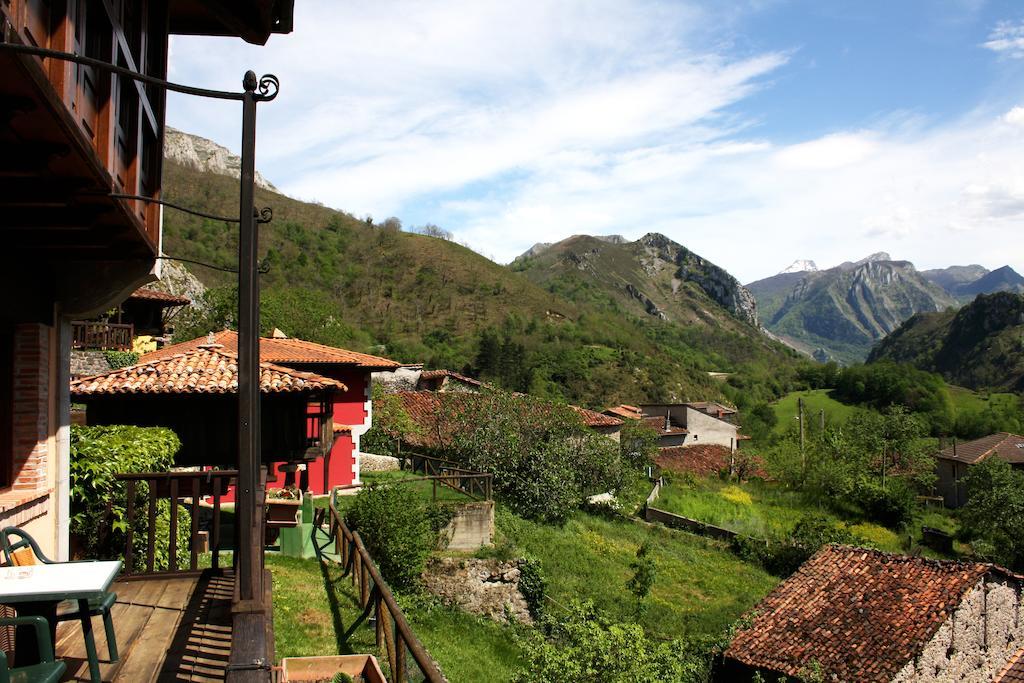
{"points": [[800, 418]]}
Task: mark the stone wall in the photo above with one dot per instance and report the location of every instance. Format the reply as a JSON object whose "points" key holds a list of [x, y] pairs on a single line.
{"points": [[977, 641], [88, 363], [489, 588], [369, 462]]}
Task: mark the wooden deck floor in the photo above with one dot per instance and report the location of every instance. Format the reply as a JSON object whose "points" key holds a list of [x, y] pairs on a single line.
{"points": [[176, 629]]}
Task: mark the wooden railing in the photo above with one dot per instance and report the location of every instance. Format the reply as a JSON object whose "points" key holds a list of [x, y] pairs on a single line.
{"points": [[102, 336], [393, 634], [181, 489], [476, 485]]}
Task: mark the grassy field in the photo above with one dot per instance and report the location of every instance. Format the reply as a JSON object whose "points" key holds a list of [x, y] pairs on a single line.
{"points": [[814, 402], [972, 401], [701, 586], [766, 509], [315, 609]]}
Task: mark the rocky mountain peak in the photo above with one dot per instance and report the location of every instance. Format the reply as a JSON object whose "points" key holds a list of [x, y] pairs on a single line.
{"points": [[800, 266], [206, 155]]}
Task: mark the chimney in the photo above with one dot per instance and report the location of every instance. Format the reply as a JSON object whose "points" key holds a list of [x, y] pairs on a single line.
{"points": [[668, 419]]}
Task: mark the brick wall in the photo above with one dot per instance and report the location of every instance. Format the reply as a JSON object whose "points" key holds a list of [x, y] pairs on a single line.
{"points": [[31, 406]]}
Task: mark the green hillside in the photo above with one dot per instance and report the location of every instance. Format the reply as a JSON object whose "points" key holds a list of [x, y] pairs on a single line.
{"points": [[981, 346], [337, 279]]}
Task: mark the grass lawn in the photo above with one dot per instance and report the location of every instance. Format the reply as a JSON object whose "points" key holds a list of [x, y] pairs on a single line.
{"points": [[315, 610], [972, 401], [701, 586], [766, 509], [814, 401]]}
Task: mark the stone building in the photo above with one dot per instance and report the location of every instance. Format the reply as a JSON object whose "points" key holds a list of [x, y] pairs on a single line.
{"points": [[953, 462], [851, 614]]}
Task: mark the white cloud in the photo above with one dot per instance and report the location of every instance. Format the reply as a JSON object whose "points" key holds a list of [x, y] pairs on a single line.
{"points": [[511, 124], [1007, 38]]}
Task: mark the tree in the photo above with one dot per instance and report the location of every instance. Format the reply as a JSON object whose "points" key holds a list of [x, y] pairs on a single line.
{"points": [[638, 443], [993, 518], [391, 424], [645, 571], [585, 646]]}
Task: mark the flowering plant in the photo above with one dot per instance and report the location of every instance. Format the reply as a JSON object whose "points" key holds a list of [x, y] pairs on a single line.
{"points": [[286, 493]]}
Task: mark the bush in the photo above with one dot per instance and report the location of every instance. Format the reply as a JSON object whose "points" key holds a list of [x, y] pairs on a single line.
{"points": [[782, 557], [99, 453], [391, 424], [396, 529], [533, 585], [587, 646], [892, 506], [638, 443], [121, 359]]}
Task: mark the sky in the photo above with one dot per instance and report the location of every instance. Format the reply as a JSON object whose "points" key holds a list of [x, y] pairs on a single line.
{"points": [[753, 132]]}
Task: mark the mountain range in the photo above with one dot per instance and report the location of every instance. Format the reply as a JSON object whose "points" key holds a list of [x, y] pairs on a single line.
{"points": [[841, 312], [591, 320], [978, 346]]}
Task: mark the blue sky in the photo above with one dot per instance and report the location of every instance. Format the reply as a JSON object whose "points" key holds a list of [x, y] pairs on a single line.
{"points": [[754, 132]]}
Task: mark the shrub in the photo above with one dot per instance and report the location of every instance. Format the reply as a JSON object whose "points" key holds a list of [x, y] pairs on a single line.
{"points": [[99, 453], [892, 505], [645, 571], [587, 646], [396, 529], [782, 557], [121, 359], [533, 585], [391, 423]]}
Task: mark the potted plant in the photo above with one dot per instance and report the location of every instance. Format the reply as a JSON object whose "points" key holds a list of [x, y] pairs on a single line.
{"points": [[283, 507], [331, 669]]}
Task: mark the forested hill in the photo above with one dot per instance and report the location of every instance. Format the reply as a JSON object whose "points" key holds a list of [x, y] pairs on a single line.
{"points": [[341, 280], [980, 346]]}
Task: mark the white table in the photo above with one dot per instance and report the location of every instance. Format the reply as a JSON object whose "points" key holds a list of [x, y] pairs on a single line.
{"points": [[57, 582], [37, 589]]}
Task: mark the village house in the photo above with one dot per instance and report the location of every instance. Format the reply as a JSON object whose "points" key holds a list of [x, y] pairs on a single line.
{"points": [[692, 424], [953, 462], [349, 406], [73, 137], [852, 614], [412, 377]]}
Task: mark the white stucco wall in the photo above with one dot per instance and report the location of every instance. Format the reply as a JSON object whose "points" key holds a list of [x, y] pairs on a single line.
{"points": [[703, 429]]}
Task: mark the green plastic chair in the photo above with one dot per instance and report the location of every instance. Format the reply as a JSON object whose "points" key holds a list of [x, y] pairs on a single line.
{"points": [[47, 670], [24, 550]]}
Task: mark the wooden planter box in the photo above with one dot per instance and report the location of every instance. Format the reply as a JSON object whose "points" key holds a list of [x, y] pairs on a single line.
{"points": [[282, 512], [311, 669]]}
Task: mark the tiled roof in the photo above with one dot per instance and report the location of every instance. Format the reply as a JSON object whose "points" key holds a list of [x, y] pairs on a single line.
{"points": [[443, 374], [593, 418], [163, 297], [702, 460], [860, 614], [281, 351], [200, 371], [624, 411], [711, 407], [1009, 447], [1013, 672], [658, 425]]}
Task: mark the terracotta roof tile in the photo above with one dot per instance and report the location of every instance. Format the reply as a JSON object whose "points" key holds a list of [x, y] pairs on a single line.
{"points": [[163, 297], [199, 371], [702, 460], [282, 351], [658, 425], [593, 418], [861, 614], [624, 411], [1013, 672], [1009, 447]]}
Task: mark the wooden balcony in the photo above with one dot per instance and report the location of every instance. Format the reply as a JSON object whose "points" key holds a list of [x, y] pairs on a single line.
{"points": [[169, 628], [72, 135], [87, 335]]}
